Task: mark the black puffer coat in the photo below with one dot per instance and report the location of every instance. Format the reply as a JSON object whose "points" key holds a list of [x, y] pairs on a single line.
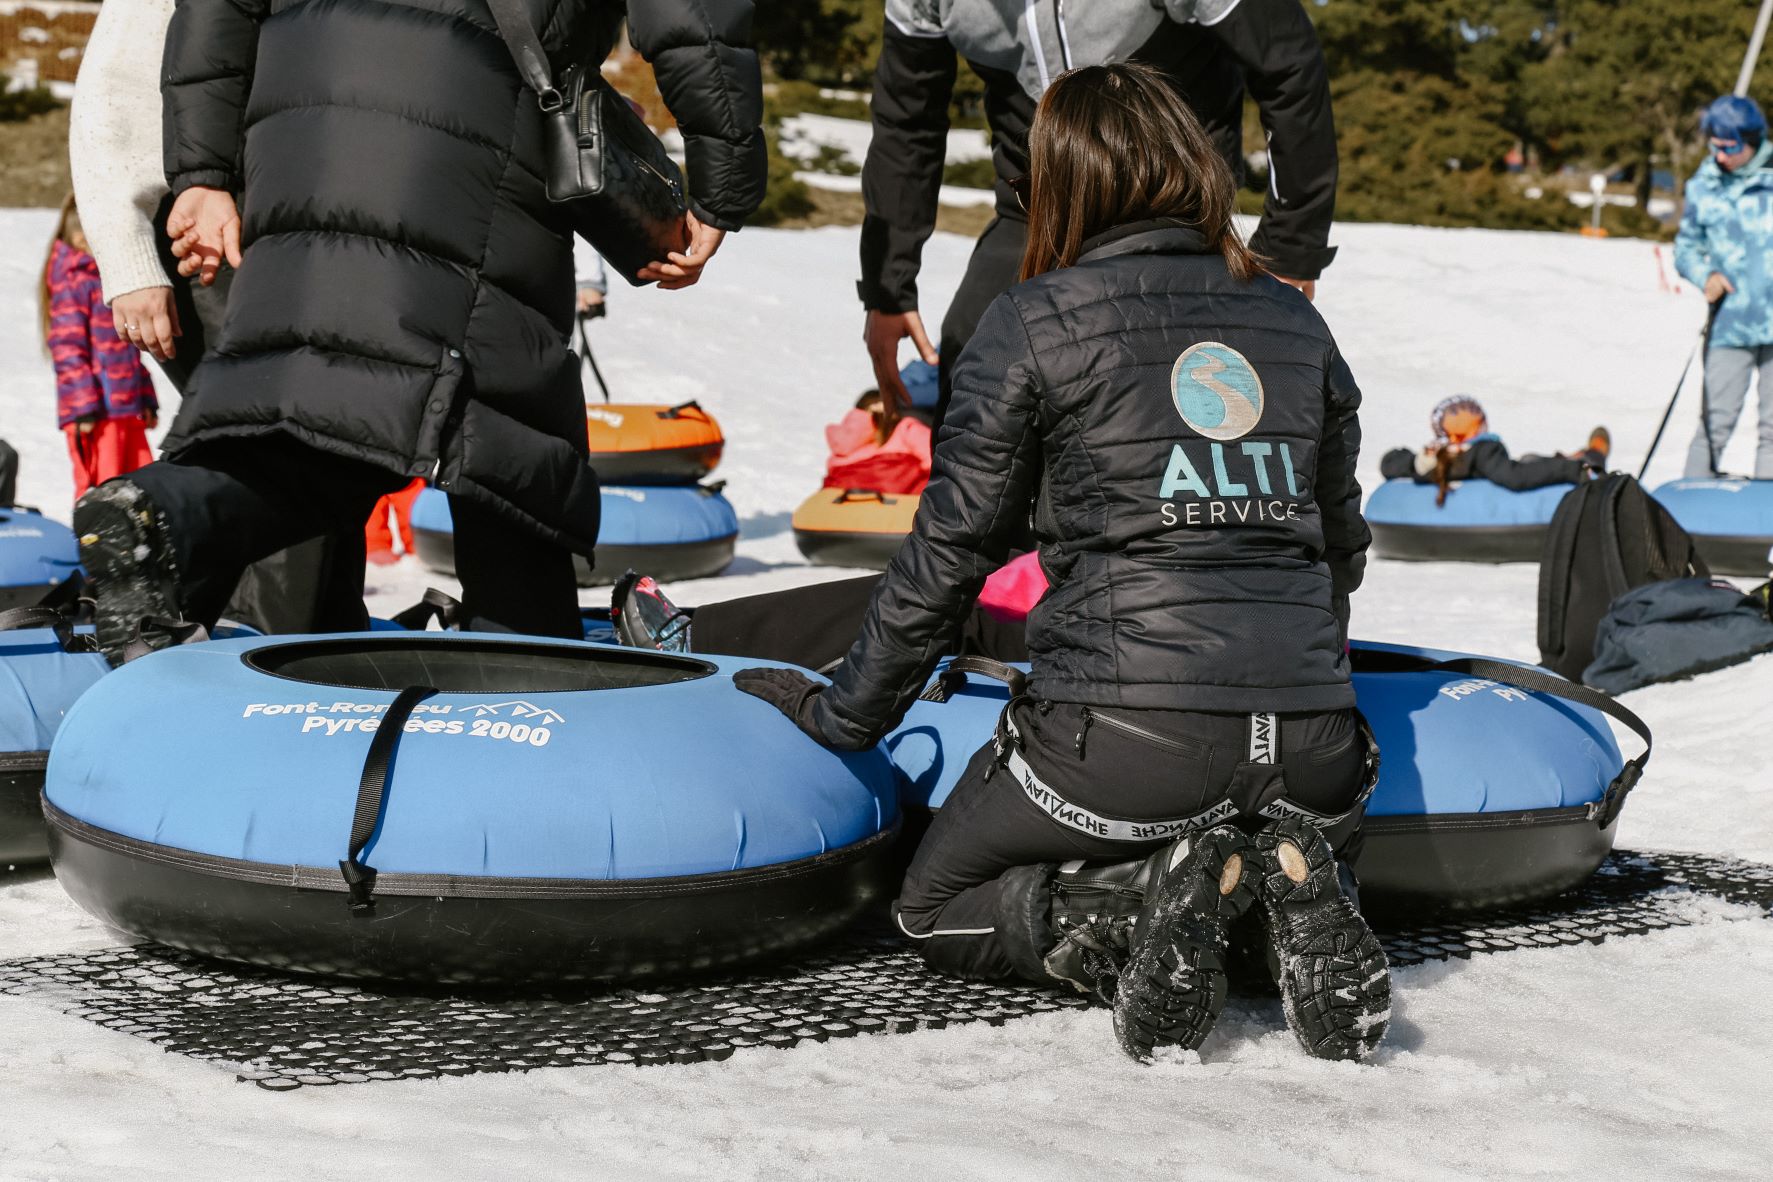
{"points": [[1187, 444], [406, 292]]}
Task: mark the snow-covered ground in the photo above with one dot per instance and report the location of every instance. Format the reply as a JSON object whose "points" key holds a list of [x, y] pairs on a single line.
{"points": [[1642, 1058], [804, 135]]}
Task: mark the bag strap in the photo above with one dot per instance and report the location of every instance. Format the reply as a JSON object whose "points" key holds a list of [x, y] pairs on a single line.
{"points": [[1602, 811], [954, 678], [1613, 553], [372, 788], [526, 50], [1555, 560]]}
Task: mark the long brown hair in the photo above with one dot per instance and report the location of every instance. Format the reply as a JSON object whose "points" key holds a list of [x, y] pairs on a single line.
{"points": [[1117, 144], [68, 215]]}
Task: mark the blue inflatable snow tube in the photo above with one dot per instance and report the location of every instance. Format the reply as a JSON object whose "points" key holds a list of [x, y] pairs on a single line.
{"points": [[555, 811], [1731, 521], [1480, 522], [1487, 794], [37, 555], [667, 531], [40, 679]]}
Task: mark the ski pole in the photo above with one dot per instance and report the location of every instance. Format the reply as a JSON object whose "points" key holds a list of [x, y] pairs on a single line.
{"points": [[585, 346], [1698, 345]]}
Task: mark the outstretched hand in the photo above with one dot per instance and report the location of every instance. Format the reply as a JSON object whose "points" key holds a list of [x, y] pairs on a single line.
{"points": [[205, 229], [788, 690]]}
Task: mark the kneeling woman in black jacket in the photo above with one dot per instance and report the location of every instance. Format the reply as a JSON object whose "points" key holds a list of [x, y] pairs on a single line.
{"points": [[1182, 429]]}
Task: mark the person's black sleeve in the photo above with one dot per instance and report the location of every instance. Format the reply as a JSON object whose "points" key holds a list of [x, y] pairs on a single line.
{"points": [[1398, 464], [902, 174], [982, 483], [1338, 490], [703, 55], [1283, 64], [212, 47], [1490, 461]]}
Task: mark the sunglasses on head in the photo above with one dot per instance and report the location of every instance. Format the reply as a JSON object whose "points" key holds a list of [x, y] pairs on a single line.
{"points": [[1727, 147], [1021, 186]]}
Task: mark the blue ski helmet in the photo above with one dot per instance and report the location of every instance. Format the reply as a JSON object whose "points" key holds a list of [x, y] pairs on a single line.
{"points": [[1734, 117]]}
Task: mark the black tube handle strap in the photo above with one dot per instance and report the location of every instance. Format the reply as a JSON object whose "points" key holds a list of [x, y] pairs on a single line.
{"points": [[153, 633], [1604, 810], [36, 616], [360, 878], [954, 678], [445, 609], [60, 610]]}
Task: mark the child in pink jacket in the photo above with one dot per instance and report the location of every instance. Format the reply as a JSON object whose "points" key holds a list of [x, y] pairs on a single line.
{"points": [[105, 400]]}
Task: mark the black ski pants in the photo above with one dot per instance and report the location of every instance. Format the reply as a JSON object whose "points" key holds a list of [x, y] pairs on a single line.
{"points": [[314, 586], [992, 270], [1099, 784], [244, 501]]}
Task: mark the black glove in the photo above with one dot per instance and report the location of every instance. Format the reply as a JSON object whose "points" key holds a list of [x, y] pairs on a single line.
{"points": [[788, 690]]}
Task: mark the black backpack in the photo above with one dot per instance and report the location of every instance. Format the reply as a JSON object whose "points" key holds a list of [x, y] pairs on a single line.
{"points": [[1607, 536]]}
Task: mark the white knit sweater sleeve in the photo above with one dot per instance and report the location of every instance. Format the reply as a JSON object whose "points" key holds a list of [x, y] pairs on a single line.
{"points": [[114, 143]]}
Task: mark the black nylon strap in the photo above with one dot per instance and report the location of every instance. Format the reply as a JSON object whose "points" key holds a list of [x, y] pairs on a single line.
{"points": [[1379, 661], [954, 678], [445, 609], [360, 879]]}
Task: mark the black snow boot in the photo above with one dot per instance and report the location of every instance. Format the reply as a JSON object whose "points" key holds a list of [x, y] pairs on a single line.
{"points": [[1173, 986], [1335, 983], [130, 572], [1092, 909]]}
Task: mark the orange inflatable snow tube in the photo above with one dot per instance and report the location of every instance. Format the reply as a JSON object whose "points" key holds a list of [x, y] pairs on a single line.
{"points": [[640, 443], [853, 527]]}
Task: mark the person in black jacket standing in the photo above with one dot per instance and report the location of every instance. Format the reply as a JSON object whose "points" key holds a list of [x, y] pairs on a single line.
{"points": [[404, 298], [1211, 51], [1185, 433]]}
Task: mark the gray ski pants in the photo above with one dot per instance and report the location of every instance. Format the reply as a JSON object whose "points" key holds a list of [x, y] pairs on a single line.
{"points": [[1727, 371]]}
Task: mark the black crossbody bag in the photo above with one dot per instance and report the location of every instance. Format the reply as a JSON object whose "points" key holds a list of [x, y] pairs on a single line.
{"points": [[602, 162]]}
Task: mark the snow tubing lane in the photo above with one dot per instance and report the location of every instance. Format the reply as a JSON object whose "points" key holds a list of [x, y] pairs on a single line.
{"points": [[39, 681], [640, 443], [1483, 796], [1481, 522], [1731, 521], [662, 823], [36, 556], [853, 527], [668, 533]]}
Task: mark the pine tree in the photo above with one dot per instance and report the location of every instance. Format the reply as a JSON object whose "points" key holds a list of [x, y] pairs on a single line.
{"points": [[1623, 81]]}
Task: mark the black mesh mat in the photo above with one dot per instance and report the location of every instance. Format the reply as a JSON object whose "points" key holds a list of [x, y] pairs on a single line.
{"points": [[286, 1032]]}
